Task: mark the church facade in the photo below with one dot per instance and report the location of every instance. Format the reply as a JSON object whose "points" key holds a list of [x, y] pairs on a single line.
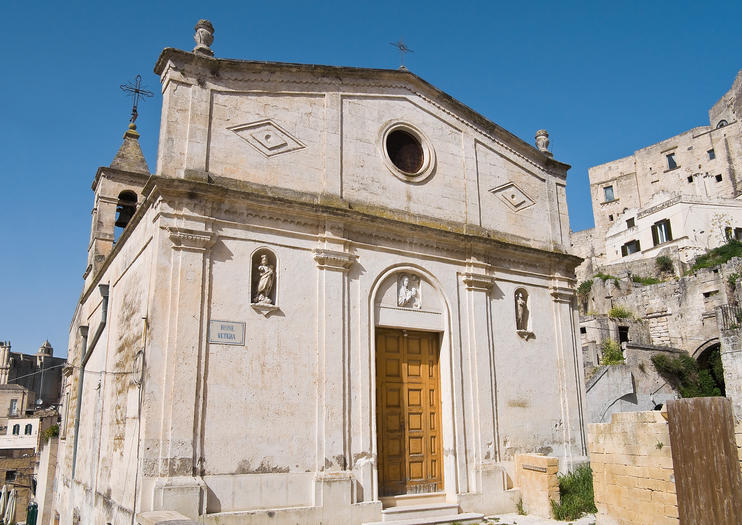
{"points": [[340, 291]]}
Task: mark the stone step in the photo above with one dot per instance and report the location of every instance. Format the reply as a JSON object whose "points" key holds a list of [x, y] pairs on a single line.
{"points": [[466, 518], [426, 510]]}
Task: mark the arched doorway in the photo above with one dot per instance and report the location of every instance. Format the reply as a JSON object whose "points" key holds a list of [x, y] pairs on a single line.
{"points": [[412, 366], [708, 358]]}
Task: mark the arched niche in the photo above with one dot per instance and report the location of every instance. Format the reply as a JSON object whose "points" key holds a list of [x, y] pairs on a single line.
{"points": [[264, 278]]}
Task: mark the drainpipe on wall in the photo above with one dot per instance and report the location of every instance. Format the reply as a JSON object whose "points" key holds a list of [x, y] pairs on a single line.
{"points": [[86, 353]]}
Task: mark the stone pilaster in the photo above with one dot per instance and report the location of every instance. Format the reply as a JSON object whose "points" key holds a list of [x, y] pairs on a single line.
{"points": [[333, 262], [478, 283], [569, 370], [179, 486]]}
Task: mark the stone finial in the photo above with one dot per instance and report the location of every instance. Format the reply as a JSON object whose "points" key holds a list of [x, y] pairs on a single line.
{"points": [[204, 37], [542, 141]]}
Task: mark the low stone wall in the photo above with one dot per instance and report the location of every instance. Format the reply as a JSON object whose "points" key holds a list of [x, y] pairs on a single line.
{"points": [[536, 476], [632, 470]]}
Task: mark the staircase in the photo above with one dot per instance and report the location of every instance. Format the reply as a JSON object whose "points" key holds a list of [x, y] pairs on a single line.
{"points": [[427, 514]]}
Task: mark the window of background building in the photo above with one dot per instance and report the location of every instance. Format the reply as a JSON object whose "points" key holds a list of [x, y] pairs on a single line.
{"points": [[13, 407], [671, 164], [721, 124], [630, 247], [735, 233], [11, 475], [712, 154], [690, 178], [16, 430], [610, 217], [630, 223], [661, 232], [718, 178], [608, 191], [27, 431]]}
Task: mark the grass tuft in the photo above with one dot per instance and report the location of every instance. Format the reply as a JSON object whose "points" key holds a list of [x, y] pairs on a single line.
{"points": [[576, 494], [646, 281], [619, 312]]}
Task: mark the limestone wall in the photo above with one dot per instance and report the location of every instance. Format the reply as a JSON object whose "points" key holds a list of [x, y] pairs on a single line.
{"points": [[632, 470], [260, 121], [679, 312], [536, 477]]}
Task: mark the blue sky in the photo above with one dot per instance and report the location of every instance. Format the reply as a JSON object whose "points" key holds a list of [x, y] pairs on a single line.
{"points": [[604, 78]]}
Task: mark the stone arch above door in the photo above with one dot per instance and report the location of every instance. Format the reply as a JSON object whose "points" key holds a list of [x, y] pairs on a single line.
{"points": [[407, 298]]}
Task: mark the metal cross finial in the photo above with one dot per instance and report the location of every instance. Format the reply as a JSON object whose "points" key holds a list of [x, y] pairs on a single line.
{"points": [[403, 49], [135, 91]]}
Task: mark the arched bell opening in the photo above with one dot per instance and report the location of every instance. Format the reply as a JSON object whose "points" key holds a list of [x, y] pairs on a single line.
{"points": [[125, 209]]}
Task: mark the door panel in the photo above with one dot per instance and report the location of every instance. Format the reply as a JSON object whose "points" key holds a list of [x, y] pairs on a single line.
{"points": [[408, 412]]}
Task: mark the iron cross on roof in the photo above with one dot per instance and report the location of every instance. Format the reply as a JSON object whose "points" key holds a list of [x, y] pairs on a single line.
{"points": [[403, 49], [135, 91]]}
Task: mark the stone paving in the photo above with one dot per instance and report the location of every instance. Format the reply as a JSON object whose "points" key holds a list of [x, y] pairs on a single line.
{"points": [[517, 519]]}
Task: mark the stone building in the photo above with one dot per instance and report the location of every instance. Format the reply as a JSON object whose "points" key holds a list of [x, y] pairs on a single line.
{"points": [[677, 197], [38, 375], [328, 304], [20, 456]]}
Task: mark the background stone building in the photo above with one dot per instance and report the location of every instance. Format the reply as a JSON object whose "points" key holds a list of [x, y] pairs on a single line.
{"points": [[327, 303], [39, 375], [677, 197]]}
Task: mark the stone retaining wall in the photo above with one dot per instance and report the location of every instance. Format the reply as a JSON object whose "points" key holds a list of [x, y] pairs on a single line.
{"points": [[632, 470]]}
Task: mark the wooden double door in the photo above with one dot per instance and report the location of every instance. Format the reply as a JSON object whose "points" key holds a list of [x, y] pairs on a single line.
{"points": [[408, 412]]}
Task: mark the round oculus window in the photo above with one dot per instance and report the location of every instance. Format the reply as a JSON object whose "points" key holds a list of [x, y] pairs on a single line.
{"points": [[405, 151]]}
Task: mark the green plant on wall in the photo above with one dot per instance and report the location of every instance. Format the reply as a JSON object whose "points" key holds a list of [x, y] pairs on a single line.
{"points": [[664, 264], [646, 281], [612, 354], [584, 289], [583, 293], [52, 431], [688, 378], [620, 312], [717, 256], [606, 276]]}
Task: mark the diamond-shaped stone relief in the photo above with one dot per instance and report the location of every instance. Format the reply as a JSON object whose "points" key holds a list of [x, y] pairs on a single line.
{"points": [[267, 137], [513, 196]]}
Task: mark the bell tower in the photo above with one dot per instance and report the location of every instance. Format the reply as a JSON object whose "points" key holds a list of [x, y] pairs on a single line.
{"points": [[118, 193]]}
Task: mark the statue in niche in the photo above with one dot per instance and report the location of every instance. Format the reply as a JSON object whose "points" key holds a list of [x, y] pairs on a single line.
{"points": [[521, 310], [408, 291], [266, 279]]}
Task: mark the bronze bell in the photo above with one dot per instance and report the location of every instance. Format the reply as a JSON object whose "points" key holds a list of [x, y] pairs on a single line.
{"points": [[125, 210]]}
